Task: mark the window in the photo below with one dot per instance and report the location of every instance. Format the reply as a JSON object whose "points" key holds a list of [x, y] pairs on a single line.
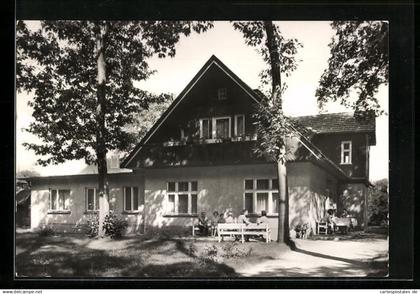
{"points": [[239, 125], [261, 194], [222, 93], [263, 184], [131, 199], [249, 202], [262, 202], [346, 152], [205, 128], [221, 127], [215, 128], [181, 197], [59, 200], [92, 199]]}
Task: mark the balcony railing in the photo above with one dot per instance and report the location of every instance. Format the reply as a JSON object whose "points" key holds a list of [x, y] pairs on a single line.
{"points": [[209, 141]]}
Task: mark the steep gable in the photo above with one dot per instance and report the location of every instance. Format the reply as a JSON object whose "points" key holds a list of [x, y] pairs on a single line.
{"points": [[214, 72]]}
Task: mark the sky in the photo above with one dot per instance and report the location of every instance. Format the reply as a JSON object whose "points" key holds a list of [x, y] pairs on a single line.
{"points": [[173, 74]]}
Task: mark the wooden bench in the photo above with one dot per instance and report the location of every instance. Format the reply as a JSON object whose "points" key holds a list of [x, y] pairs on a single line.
{"points": [[242, 230]]}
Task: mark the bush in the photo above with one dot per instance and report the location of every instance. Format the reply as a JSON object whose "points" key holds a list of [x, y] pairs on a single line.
{"points": [[46, 231], [378, 203], [92, 226], [114, 226]]}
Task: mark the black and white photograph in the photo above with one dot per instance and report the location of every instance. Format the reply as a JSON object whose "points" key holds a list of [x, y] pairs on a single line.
{"points": [[202, 149]]}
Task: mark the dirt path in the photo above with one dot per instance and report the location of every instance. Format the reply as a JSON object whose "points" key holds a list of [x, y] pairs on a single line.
{"points": [[359, 258]]}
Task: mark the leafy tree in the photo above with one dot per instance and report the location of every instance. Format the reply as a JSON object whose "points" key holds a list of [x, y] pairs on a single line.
{"points": [[378, 202], [272, 125], [358, 64], [82, 75], [27, 173], [146, 118]]}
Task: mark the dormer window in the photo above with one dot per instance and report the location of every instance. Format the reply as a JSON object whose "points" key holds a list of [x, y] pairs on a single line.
{"points": [[222, 94], [239, 128], [346, 153]]}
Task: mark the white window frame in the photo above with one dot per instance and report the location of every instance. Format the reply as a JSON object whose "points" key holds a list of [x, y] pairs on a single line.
{"points": [[94, 199], [349, 150], [201, 127], [190, 192], [214, 120], [254, 192], [132, 198], [236, 124], [66, 200], [222, 94]]}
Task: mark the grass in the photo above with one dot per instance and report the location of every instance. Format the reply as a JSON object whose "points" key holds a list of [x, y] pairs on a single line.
{"points": [[160, 255], [74, 255]]}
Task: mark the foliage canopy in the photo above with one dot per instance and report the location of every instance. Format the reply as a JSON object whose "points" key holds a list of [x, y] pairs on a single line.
{"points": [[358, 62], [58, 64]]}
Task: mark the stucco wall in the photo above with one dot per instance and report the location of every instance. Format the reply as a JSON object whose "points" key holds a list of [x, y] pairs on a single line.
{"points": [[77, 205], [353, 199], [222, 187], [311, 192]]}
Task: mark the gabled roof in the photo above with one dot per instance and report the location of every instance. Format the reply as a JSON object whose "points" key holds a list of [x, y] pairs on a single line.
{"points": [[335, 123], [213, 61], [303, 126]]}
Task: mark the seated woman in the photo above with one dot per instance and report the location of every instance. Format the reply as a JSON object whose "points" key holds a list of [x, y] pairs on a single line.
{"points": [[214, 221], [345, 213], [263, 218], [203, 224], [331, 219]]}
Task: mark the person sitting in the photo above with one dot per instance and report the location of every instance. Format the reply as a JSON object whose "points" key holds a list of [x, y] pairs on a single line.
{"points": [[214, 221], [221, 219], [345, 213], [243, 219], [203, 224], [263, 218], [229, 219], [331, 219]]}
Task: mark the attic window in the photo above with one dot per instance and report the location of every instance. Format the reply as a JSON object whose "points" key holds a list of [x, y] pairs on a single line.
{"points": [[346, 153], [222, 93]]}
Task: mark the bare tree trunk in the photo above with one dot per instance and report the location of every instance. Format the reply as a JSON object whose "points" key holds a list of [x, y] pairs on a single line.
{"points": [[100, 132], [273, 47], [283, 220]]}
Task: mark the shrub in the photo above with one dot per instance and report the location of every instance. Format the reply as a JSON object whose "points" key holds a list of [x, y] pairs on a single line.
{"points": [[46, 231], [114, 226], [378, 203], [92, 226]]}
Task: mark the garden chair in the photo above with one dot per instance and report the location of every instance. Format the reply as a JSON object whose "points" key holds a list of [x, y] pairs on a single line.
{"points": [[322, 227]]}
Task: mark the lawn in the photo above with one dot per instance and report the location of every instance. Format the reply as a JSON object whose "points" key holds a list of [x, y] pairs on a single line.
{"points": [[76, 256]]}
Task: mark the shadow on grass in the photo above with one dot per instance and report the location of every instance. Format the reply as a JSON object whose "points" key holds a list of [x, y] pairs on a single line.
{"points": [[69, 256]]}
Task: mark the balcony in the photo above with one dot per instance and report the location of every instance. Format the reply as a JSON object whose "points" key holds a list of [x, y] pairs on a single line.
{"points": [[196, 141]]}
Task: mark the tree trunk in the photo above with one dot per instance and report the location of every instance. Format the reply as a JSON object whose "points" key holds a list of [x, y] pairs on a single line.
{"points": [[100, 131], [283, 223], [273, 45]]}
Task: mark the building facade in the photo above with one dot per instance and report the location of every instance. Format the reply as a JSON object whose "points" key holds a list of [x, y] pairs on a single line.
{"points": [[199, 156]]}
